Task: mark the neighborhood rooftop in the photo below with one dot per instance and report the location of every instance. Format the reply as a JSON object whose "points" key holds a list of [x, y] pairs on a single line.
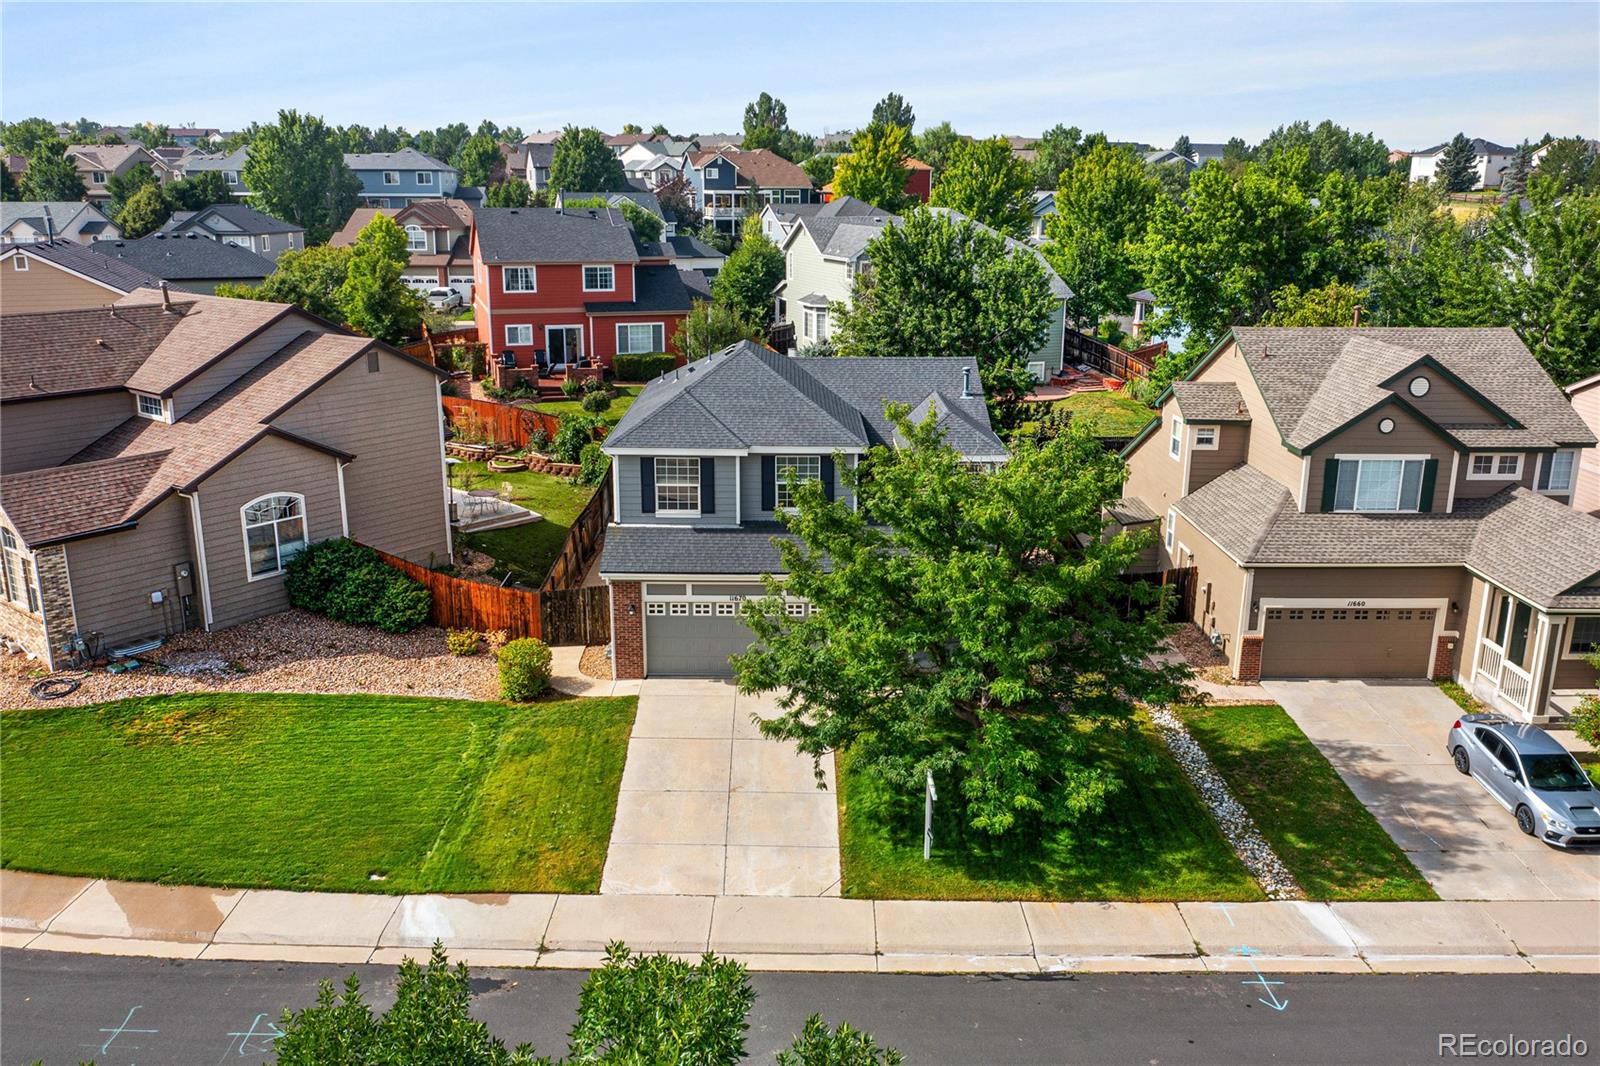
{"points": [[187, 256], [554, 235]]}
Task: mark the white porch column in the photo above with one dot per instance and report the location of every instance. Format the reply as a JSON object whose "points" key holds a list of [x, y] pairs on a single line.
{"points": [[1539, 668], [1483, 629]]}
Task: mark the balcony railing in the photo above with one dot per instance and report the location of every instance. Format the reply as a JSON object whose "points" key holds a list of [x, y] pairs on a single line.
{"points": [[1500, 680]]}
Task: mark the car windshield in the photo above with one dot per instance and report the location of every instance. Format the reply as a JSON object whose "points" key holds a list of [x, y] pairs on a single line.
{"points": [[1555, 773]]}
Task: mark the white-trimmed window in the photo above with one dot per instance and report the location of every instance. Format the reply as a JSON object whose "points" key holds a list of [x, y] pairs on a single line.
{"points": [[519, 334], [791, 472], [519, 279], [816, 323], [274, 532], [1175, 441], [97, 177], [635, 338], [1379, 484], [21, 586], [600, 278], [1555, 472], [151, 407], [424, 178], [677, 484], [1495, 466], [1583, 637], [1172, 524], [712, 173], [231, 177], [416, 239], [1205, 438], [19, 262], [266, 243], [391, 177]]}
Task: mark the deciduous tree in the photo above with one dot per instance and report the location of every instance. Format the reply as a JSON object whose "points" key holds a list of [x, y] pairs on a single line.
{"points": [[374, 299], [934, 145], [121, 187], [144, 212], [1057, 150], [710, 327], [988, 184], [1332, 305], [513, 192], [874, 170], [647, 225], [50, 174], [1103, 209], [151, 135], [309, 278], [479, 159], [25, 135], [748, 277], [296, 172], [199, 190], [820, 167], [583, 162]]}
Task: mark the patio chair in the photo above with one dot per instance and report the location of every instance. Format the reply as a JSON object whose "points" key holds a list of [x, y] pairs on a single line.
{"points": [[506, 490]]}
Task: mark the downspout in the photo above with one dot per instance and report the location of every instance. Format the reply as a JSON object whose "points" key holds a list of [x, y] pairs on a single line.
{"points": [[444, 468], [200, 555]]}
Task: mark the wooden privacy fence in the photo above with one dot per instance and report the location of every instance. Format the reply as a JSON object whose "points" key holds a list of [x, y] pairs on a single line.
{"points": [[1108, 358], [462, 604], [1184, 582], [504, 423], [585, 538], [576, 616]]}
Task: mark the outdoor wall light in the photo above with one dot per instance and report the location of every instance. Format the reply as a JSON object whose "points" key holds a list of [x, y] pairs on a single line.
{"points": [[633, 609]]}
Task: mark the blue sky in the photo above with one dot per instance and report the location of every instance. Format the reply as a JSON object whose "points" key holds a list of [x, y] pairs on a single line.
{"points": [[1412, 73]]}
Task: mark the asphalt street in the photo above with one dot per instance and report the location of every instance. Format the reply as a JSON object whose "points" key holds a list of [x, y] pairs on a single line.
{"points": [[119, 1011]]}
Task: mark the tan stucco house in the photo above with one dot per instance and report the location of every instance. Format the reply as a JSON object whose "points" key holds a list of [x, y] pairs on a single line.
{"points": [[1392, 503], [162, 459]]}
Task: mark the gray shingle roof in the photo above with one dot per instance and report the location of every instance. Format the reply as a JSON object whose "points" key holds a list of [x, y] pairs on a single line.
{"points": [[686, 246], [697, 282], [33, 212], [81, 259], [655, 288], [405, 159], [1314, 380], [1236, 509], [248, 219], [641, 197], [1210, 401], [868, 384], [550, 235], [749, 549], [1479, 147], [188, 258]]}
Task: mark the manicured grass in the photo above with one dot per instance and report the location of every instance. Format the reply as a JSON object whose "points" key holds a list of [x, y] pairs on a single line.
{"points": [[317, 792], [1591, 766], [612, 415], [1328, 840], [1106, 414], [1154, 841], [526, 551]]}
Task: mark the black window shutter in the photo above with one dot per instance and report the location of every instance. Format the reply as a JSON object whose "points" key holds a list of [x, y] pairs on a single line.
{"points": [[708, 485], [1330, 485], [827, 477], [647, 484], [769, 482], [1430, 474]]}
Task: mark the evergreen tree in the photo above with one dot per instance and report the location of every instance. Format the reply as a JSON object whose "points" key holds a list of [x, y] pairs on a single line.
{"points": [[765, 120], [893, 110], [1458, 165], [1183, 147], [583, 162], [1571, 165], [1515, 181]]}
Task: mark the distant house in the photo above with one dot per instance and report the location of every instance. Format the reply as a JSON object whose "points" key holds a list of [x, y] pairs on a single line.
{"points": [[1201, 154], [778, 220], [919, 182], [60, 275], [1156, 157], [438, 239], [655, 162], [191, 137], [394, 179], [530, 161], [230, 165], [568, 288], [189, 260], [1490, 161], [97, 164], [242, 226], [726, 179], [1044, 205], [638, 197], [22, 221], [691, 253], [1024, 148]]}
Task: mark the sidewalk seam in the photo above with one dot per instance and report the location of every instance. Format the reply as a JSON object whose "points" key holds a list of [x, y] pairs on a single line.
{"points": [[45, 928]]}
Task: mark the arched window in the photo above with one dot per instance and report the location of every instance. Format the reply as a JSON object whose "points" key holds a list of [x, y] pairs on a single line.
{"points": [[274, 532], [416, 240]]}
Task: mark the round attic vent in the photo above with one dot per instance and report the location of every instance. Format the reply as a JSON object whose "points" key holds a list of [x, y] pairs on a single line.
{"points": [[1386, 426], [1419, 386]]}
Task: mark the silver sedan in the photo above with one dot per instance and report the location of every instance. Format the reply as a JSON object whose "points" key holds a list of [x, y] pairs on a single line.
{"points": [[1531, 775]]}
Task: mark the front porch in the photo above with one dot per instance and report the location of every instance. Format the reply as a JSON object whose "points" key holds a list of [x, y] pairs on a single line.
{"points": [[1529, 663]]}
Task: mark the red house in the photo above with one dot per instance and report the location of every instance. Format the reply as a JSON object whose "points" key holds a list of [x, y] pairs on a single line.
{"points": [[571, 287], [919, 182]]}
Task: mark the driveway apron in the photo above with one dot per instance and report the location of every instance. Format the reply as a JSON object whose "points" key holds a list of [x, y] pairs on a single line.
{"points": [[1386, 739], [709, 807]]}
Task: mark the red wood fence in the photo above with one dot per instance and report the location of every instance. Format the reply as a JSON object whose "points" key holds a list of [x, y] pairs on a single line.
{"points": [[462, 604], [504, 423], [584, 540]]}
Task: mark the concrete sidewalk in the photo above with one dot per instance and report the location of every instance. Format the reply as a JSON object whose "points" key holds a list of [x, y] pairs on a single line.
{"points": [[74, 914]]}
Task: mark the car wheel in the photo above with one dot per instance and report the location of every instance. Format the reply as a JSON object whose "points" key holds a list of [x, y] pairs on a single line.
{"points": [[1525, 820], [1461, 759]]}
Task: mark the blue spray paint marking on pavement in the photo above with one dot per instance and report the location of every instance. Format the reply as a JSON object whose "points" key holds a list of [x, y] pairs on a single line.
{"points": [[1261, 979], [1226, 913], [256, 1040], [105, 1049]]}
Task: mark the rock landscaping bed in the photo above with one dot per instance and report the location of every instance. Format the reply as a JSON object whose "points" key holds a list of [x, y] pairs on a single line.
{"points": [[291, 652], [595, 662]]}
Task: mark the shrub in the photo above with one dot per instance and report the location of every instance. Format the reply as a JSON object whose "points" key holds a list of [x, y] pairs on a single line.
{"points": [[588, 385], [655, 1008], [461, 641], [643, 367], [496, 639], [572, 433], [524, 669], [1585, 720], [817, 1045], [593, 462], [595, 402], [822, 349], [538, 437], [569, 387], [348, 582]]}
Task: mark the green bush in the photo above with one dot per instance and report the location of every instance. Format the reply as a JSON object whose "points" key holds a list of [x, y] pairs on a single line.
{"points": [[817, 1045], [588, 385], [1585, 720], [462, 641], [524, 669], [658, 1009], [569, 387], [643, 367], [348, 582], [593, 463], [572, 433], [595, 402]]}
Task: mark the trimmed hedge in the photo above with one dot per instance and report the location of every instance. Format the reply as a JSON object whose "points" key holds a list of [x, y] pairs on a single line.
{"points": [[347, 582], [642, 367], [524, 669]]}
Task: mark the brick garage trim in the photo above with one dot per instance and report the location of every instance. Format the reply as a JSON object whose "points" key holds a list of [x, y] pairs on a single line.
{"points": [[1443, 658], [1250, 657], [627, 629]]}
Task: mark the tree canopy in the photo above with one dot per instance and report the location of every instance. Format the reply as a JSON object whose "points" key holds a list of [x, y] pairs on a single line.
{"points": [[309, 278], [374, 299], [199, 190], [121, 187], [748, 277], [710, 327], [766, 125], [25, 135], [479, 159], [1103, 208], [1329, 149], [647, 225], [51, 175], [145, 211], [583, 162], [974, 625], [988, 184], [296, 172], [1571, 165], [893, 110], [874, 170], [1057, 150], [935, 143]]}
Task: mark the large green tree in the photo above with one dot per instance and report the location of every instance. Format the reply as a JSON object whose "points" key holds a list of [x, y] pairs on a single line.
{"points": [[478, 159], [893, 110], [144, 212], [310, 279], [374, 299], [1434, 271], [51, 175], [296, 172], [749, 275], [1571, 164], [200, 189], [765, 120], [874, 170], [1103, 208], [23, 136], [583, 162], [151, 135], [711, 326], [819, 168], [1334, 304], [1457, 170], [975, 625], [647, 225], [513, 192], [121, 187], [1057, 150], [988, 184], [1330, 148], [942, 286], [934, 145]]}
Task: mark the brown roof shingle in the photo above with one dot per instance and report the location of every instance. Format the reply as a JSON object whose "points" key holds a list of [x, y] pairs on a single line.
{"points": [[58, 353]]}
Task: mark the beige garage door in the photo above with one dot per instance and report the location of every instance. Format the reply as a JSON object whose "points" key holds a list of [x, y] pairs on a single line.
{"points": [[1347, 642]]}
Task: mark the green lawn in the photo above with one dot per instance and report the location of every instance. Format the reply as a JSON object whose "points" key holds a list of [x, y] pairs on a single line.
{"points": [[612, 415], [1324, 835], [526, 552], [1591, 766], [317, 792], [1155, 841], [1107, 414]]}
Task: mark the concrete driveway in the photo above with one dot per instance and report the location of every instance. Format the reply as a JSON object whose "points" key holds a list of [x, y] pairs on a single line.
{"points": [[1386, 739], [709, 807]]}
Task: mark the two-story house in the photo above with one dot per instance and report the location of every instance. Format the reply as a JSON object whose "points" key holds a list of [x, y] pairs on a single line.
{"points": [[1378, 503], [61, 275], [162, 460], [438, 241], [229, 164], [240, 225], [24, 221], [560, 288], [1490, 162], [824, 252], [97, 164], [394, 179], [708, 457], [725, 181]]}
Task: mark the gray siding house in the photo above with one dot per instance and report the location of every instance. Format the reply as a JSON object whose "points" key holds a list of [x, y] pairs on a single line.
{"points": [[162, 459], [705, 462], [241, 226]]}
